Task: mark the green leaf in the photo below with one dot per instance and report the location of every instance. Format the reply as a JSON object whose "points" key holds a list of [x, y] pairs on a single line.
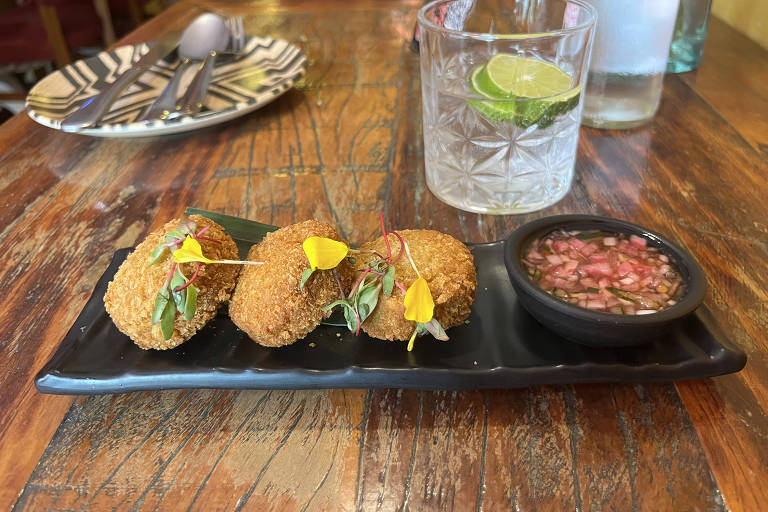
{"points": [[178, 297], [351, 259], [388, 281], [377, 265], [161, 300], [366, 301], [187, 226], [157, 254], [173, 235], [166, 322], [335, 303], [349, 312], [304, 277], [349, 315], [368, 281], [436, 330], [190, 306]]}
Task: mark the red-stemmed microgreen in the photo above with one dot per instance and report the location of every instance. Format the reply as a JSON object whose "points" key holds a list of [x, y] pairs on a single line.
{"points": [[377, 277], [178, 293]]}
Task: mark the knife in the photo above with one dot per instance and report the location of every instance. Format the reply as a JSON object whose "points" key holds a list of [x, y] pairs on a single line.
{"points": [[96, 106]]}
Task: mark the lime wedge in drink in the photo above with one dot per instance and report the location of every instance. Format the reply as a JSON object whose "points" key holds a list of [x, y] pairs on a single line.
{"points": [[538, 91]]}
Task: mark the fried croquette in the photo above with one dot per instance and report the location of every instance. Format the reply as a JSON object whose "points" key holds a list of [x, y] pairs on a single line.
{"points": [[445, 263], [131, 295], [268, 304]]}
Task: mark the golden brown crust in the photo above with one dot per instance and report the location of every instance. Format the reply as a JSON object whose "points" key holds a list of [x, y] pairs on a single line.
{"points": [[267, 303], [130, 296], [445, 263]]}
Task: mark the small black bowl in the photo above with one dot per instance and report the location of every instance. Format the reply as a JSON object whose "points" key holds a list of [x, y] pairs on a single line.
{"points": [[595, 328]]}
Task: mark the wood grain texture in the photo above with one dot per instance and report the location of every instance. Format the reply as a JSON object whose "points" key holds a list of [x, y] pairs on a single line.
{"points": [[589, 447], [344, 144]]}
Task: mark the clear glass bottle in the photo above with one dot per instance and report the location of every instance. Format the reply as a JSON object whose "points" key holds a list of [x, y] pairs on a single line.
{"points": [[629, 58]]}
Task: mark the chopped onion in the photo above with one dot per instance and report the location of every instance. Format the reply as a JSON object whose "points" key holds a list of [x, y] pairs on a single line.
{"points": [[608, 272], [596, 304], [554, 259]]}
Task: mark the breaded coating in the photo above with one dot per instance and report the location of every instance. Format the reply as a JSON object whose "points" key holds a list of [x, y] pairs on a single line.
{"points": [[267, 303], [445, 263], [130, 296]]}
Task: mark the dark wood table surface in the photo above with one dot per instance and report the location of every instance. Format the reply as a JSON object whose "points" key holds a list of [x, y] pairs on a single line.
{"points": [[343, 145]]}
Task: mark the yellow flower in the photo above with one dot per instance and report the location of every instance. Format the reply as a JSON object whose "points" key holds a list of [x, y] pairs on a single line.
{"points": [[418, 302], [324, 253], [190, 251], [413, 338]]}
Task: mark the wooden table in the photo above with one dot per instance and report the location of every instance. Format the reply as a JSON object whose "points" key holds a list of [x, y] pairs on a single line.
{"points": [[344, 145]]}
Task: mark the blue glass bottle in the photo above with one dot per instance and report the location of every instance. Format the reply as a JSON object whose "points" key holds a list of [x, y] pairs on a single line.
{"points": [[690, 33]]}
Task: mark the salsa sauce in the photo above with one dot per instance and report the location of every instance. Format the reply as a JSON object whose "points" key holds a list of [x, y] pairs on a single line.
{"points": [[600, 271]]}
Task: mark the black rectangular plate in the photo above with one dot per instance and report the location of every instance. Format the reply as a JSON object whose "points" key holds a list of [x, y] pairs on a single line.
{"points": [[501, 347]]}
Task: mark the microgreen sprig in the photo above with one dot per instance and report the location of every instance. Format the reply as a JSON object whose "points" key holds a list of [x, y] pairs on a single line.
{"points": [[178, 293], [378, 277]]}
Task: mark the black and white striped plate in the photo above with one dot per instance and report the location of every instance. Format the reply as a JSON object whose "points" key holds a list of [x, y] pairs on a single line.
{"points": [[240, 84]]}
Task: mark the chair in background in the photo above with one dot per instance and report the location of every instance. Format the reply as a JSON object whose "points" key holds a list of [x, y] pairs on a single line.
{"points": [[35, 33], [47, 30]]}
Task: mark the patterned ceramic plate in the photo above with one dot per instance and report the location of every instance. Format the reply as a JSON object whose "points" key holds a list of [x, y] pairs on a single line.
{"points": [[240, 84]]}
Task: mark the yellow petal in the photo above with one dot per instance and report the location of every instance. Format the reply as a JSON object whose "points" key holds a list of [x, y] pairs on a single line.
{"points": [[418, 302], [413, 338], [324, 253], [190, 251]]}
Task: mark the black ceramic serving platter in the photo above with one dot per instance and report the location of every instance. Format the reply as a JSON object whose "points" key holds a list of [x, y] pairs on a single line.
{"points": [[501, 346]]}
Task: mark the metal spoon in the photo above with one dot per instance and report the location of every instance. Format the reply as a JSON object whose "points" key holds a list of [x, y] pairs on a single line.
{"points": [[207, 33]]}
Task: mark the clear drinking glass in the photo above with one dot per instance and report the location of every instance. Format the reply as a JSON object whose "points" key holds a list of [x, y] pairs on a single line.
{"points": [[501, 87], [690, 33], [628, 61]]}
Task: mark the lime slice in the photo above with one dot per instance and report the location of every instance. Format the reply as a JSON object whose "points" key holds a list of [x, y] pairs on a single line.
{"points": [[521, 76], [522, 80], [499, 111]]}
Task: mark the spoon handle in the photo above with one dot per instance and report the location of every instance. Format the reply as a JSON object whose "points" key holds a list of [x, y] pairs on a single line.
{"points": [[165, 104], [192, 101], [96, 106]]}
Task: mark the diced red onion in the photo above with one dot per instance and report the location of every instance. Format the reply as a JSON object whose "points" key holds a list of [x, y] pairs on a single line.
{"points": [[582, 271], [638, 242], [554, 259]]}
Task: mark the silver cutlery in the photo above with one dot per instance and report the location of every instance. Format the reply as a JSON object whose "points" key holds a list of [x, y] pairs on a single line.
{"points": [[192, 101], [96, 106], [207, 33]]}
